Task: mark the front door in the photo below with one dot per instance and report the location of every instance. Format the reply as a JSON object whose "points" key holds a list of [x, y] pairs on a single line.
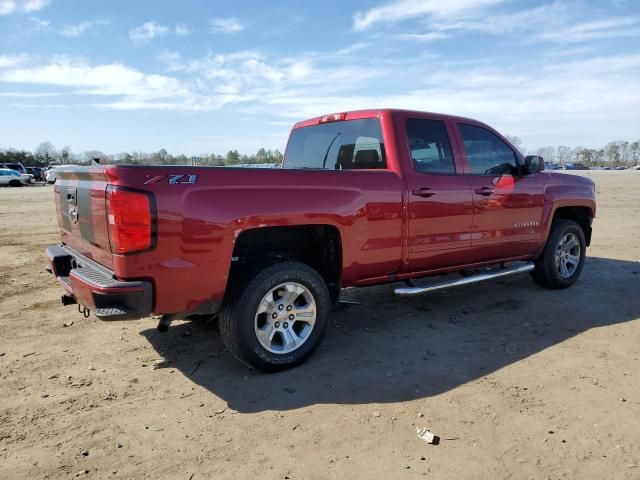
{"points": [[439, 198], [507, 207]]}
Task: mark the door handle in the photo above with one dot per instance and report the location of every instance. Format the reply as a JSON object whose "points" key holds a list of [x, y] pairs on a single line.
{"points": [[423, 192], [486, 191]]}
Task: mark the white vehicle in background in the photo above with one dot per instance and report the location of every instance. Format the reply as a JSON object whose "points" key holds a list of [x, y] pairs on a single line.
{"points": [[50, 175], [13, 178]]}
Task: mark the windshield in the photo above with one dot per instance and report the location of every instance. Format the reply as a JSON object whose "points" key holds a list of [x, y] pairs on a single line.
{"points": [[347, 145]]}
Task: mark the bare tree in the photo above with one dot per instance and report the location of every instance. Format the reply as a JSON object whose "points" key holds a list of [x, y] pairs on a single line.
{"points": [[612, 152], [516, 141], [65, 154], [548, 153], [90, 155], [564, 153], [634, 152], [46, 152]]}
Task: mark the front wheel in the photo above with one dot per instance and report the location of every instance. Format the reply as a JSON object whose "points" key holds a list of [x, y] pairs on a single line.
{"points": [[277, 319], [563, 256]]}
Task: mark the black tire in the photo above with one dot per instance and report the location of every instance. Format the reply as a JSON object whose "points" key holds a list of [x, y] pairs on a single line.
{"points": [[546, 272], [238, 316], [15, 183]]}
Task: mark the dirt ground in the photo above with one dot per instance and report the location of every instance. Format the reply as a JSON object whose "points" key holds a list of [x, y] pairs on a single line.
{"points": [[519, 382]]}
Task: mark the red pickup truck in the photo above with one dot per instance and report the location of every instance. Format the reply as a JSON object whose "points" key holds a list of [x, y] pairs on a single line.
{"points": [[362, 198]]}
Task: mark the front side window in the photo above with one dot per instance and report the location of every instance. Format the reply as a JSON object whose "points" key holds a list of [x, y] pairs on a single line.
{"points": [[342, 145], [429, 146], [487, 153]]}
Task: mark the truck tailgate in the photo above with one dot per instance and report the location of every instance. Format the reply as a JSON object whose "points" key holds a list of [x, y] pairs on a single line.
{"points": [[81, 211]]}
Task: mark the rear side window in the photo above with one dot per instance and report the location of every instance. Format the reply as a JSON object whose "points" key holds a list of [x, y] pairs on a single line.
{"points": [[429, 146], [346, 145], [486, 152]]}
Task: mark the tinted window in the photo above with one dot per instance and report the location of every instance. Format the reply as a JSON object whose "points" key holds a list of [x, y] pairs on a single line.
{"points": [[429, 146], [346, 145], [487, 153]]}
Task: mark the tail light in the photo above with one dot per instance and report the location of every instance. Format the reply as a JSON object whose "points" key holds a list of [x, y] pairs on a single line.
{"points": [[130, 216]]}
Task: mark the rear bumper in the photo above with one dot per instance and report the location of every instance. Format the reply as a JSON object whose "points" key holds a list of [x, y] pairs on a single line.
{"points": [[94, 286]]}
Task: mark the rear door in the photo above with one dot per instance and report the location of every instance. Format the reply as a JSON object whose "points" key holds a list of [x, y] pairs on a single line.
{"points": [[507, 207], [439, 199]]}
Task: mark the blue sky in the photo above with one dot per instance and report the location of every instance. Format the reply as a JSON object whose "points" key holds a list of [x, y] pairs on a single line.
{"points": [[207, 76]]}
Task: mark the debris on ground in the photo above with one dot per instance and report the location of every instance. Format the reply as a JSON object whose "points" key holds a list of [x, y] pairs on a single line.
{"points": [[68, 323], [425, 434]]}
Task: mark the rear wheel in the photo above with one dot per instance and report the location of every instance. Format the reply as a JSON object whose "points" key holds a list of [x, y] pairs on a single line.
{"points": [[278, 318], [563, 256], [15, 183]]}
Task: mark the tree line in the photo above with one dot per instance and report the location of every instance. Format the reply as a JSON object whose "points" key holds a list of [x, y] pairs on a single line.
{"points": [[46, 154], [613, 154]]}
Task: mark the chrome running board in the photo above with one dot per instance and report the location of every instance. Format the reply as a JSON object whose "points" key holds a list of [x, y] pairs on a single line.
{"points": [[479, 277]]}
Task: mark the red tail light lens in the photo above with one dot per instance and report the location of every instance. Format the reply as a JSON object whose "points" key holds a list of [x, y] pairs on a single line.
{"points": [[130, 219]]}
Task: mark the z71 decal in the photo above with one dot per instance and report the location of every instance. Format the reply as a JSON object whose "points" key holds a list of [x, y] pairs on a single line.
{"points": [[173, 179]]}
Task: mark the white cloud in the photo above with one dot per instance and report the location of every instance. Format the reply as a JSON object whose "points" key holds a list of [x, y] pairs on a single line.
{"points": [[227, 25], [147, 32], [182, 29], [596, 30], [108, 79], [400, 10], [39, 25], [356, 47], [29, 94], [12, 61], [7, 7], [587, 100], [422, 37], [38, 105], [560, 22], [77, 29], [34, 5]]}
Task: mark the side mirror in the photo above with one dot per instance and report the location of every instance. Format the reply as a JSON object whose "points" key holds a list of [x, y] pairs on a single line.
{"points": [[533, 164]]}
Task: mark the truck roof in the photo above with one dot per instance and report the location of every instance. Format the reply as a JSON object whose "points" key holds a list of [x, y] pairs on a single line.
{"points": [[375, 112]]}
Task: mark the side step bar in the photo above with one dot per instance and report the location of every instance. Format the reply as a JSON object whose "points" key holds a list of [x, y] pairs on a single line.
{"points": [[479, 277]]}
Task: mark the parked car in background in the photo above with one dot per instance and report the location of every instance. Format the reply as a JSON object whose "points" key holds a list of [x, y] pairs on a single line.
{"points": [[50, 176], [575, 166], [14, 178], [551, 166], [37, 172], [18, 167]]}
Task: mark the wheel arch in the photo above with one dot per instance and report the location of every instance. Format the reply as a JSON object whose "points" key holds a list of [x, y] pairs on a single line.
{"points": [[581, 214], [317, 245]]}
